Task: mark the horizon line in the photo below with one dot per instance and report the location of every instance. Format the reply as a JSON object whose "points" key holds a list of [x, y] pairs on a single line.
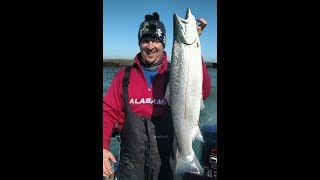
{"points": [[105, 59]]}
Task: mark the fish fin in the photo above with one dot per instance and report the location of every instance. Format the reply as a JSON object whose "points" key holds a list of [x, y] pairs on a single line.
{"points": [[202, 104], [167, 94], [198, 136], [185, 164]]}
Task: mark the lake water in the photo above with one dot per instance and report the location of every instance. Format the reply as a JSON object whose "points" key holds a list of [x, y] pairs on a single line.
{"points": [[207, 116]]}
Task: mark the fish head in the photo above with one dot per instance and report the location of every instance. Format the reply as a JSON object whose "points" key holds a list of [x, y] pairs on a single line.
{"points": [[185, 30]]}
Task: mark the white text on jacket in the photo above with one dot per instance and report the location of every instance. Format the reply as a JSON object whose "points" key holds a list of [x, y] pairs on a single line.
{"points": [[148, 101]]}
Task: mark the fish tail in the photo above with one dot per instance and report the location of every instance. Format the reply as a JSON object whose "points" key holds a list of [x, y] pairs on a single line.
{"points": [[187, 164]]}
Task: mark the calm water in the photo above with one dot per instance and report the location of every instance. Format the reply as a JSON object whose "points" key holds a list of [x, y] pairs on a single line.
{"points": [[207, 116]]}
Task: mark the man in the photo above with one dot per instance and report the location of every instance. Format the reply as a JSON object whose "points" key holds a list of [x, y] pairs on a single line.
{"points": [[135, 101]]}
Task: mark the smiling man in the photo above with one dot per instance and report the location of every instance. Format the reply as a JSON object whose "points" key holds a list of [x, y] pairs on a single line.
{"points": [[135, 101]]}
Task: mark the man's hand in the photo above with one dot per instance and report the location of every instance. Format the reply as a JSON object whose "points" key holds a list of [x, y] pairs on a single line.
{"points": [[107, 157], [202, 25]]}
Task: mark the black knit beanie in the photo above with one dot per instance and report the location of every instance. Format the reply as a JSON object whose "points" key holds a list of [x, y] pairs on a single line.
{"points": [[152, 27]]}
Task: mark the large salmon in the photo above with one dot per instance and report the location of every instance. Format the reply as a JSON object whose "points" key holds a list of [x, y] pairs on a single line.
{"points": [[184, 92]]}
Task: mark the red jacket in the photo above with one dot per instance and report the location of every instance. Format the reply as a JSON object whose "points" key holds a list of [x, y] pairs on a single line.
{"points": [[143, 101]]}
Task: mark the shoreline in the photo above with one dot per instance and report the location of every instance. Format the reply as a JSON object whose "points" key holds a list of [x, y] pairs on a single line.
{"points": [[125, 63]]}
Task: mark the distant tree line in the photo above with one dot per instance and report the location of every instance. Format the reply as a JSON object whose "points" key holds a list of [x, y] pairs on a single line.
{"points": [[125, 63]]}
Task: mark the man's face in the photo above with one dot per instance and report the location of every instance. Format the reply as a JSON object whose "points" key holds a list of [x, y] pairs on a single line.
{"points": [[151, 50]]}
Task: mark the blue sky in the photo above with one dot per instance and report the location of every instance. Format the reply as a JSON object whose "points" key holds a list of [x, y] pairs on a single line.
{"points": [[122, 18]]}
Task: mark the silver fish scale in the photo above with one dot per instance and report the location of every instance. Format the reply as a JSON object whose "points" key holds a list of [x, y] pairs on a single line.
{"points": [[185, 90], [185, 94]]}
